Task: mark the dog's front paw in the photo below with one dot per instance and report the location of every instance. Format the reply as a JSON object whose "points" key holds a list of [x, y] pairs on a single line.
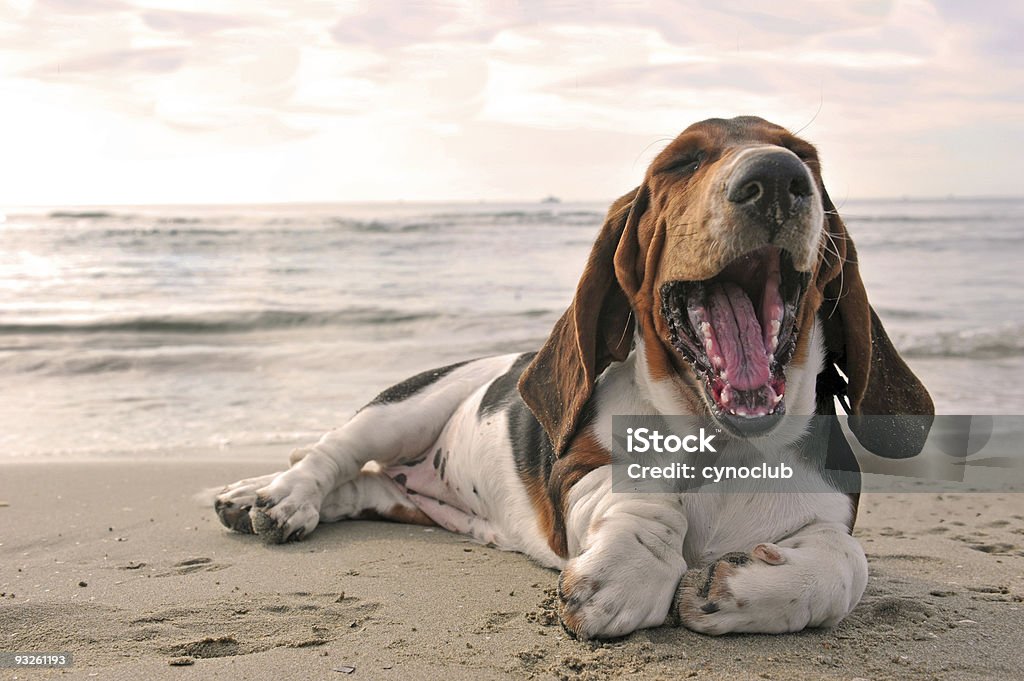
{"points": [[740, 592], [607, 601], [234, 502], [285, 510]]}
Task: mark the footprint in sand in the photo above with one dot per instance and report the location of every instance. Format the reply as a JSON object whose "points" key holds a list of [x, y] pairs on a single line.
{"points": [[228, 628]]}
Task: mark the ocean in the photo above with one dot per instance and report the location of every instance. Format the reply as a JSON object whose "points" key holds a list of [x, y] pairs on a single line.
{"points": [[156, 331]]}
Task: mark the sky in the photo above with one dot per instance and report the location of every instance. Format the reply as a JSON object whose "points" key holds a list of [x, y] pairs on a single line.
{"points": [[247, 101]]}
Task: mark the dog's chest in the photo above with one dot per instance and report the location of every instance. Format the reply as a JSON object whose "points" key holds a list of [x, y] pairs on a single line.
{"points": [[721, 523]]}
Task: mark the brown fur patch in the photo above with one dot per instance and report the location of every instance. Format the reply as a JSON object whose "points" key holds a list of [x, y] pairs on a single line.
{"points": [[404, 514], [398, 514], [718, 589], [537, 490], [585, 454], [550, 497]]}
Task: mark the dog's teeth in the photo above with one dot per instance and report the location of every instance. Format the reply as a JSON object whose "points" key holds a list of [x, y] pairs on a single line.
{"points": [[726, 396], [717, 361], [774, 345], [705, 329], [775, 327]]}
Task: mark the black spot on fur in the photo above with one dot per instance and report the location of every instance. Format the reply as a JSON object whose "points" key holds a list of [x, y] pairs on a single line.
{"points": [[474, 491], [504, 389], [531, 447], [444, 464], [400, 479], [411, 386], [437, 458], [710, 608]]}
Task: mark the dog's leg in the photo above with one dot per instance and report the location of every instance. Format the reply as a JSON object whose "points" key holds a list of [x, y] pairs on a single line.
{"points": [[813, 578], [630, 563], [371, 494], [395, 428]]}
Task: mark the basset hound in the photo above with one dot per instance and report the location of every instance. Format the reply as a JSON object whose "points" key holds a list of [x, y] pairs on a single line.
{"points": [[726, 286]]}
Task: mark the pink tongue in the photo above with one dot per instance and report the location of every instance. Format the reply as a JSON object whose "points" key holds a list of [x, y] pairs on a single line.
{"points": [[739, 337]]}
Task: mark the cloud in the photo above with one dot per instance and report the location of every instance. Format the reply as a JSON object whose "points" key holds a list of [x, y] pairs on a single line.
{"points": [[188, 23], [503, 99], [146, 61], [389, 26]]}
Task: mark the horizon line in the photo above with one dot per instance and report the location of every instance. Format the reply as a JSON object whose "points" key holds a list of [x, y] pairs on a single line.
{"points": [[9, 208]]}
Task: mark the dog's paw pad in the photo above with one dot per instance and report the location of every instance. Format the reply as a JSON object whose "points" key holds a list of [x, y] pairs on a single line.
{"points": [[265, 526], [282, 521], [234, 516], [704, 591]]}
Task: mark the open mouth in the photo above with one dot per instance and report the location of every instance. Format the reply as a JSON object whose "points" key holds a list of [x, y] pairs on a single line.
{"points": [[738, 331]]}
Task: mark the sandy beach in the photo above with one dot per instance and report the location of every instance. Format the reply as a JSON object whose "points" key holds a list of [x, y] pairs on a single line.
{"points": [[116, 562]]}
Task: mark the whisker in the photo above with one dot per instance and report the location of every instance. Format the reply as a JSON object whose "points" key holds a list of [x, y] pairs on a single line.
{"points": [[821, 102], [644, 151], [842, 280], [625, 329]]}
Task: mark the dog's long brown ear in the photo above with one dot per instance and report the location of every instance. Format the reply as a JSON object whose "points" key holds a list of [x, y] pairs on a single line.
{"points": [[596, 330], [890, 409]]}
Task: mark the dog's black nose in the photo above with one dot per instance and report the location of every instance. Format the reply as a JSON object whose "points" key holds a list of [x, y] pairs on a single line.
{"points": [[772, 184]]}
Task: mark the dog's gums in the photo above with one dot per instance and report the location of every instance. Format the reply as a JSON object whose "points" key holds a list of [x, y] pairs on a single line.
{"points": [[738, 332]]}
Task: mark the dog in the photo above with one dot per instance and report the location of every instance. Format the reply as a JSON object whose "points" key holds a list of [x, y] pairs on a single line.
{"points": [[726, 286]]}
